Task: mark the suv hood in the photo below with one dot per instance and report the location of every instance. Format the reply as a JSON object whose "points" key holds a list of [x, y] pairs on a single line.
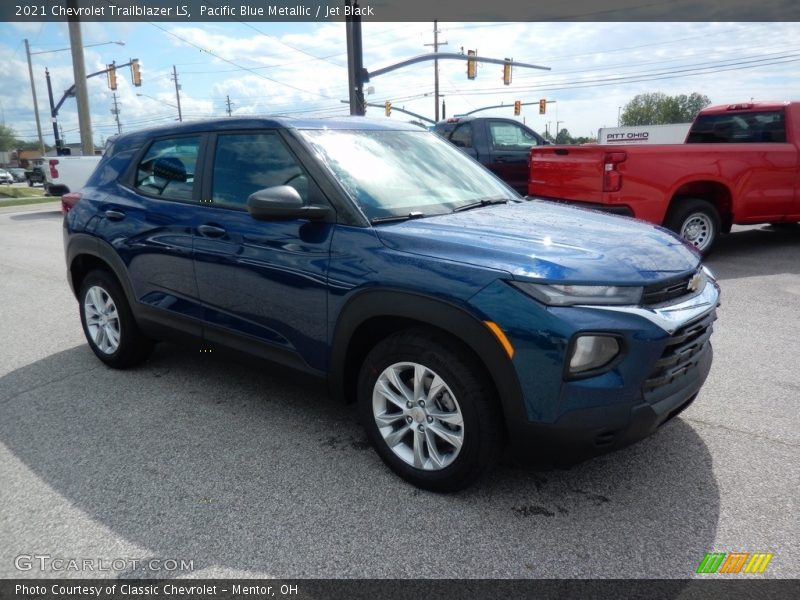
{"points": [[543, 240]]}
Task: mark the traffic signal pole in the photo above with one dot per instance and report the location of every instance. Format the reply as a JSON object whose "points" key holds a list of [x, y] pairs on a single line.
{"points": [[71, 92], [449, 56], [501, 106], [53, 112], [355, 63], [357, 75]]}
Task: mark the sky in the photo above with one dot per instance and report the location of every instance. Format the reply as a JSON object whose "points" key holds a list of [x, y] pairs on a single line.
{"points": [[299, 69]]}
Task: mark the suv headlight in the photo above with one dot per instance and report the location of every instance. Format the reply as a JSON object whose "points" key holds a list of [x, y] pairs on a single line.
{"points": [[570, 295]]}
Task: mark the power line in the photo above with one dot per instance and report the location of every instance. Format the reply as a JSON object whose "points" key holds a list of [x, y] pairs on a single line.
{"points": [[629, 65], [632, 79], [230, 62]]}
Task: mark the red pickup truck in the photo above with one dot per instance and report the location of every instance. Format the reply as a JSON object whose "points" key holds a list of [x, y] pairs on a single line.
{"points": [[739, 165]]}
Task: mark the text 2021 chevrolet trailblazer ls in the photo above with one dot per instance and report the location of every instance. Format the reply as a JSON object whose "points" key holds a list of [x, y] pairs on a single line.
{"points": [[459, 316]]}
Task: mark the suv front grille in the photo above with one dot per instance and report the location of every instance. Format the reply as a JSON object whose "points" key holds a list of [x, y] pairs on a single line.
{"points": [[682, 353], [658, 293]]}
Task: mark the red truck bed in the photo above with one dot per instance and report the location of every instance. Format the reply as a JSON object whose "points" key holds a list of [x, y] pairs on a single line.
{"points": [[752, 178]]}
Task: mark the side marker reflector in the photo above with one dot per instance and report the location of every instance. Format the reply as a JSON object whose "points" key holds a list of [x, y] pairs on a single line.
{"points": [[501, 337]]}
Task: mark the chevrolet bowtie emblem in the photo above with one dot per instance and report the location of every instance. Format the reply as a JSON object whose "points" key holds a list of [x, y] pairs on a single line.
{"points": [[695, 282]]}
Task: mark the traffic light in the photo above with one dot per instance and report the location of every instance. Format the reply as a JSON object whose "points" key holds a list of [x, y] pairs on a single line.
{"points": [[542, 106], [136, 74], [112, 76], [507, 72], [387, 108], [472, 65], [517, 107]]}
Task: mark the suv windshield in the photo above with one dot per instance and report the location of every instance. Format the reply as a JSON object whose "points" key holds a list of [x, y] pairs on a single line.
{"points": [[400, 173]]}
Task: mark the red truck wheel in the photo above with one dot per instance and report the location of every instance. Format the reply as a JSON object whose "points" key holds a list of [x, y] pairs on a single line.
{"points": [[695, 220]]}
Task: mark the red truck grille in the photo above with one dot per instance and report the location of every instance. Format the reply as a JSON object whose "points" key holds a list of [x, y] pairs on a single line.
{"points": [[681, 354]]}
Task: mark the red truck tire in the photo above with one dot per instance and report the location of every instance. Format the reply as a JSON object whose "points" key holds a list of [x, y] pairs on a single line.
{"points": [[696, 220]]}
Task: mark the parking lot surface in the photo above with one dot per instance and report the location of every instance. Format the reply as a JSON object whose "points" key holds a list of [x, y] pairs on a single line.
{"points": [[253, 472]]}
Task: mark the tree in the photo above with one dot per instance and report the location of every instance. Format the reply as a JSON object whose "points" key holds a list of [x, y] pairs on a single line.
{"points": [[657, 108], [34, 145], [7, 141], [564, 137]]}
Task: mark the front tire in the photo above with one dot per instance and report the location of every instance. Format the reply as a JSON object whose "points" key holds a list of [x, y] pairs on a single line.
{"points": [[697, 221], [108, 322], [429, 410]]}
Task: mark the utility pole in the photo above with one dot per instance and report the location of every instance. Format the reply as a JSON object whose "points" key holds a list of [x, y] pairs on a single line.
{"points": [[228, 102], [115, 112], [177, 91], [33, 93], [444, 112], [436, 43], [81, 89]]}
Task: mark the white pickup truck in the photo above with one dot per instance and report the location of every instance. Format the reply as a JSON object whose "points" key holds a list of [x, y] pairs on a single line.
{"points": [[65, 174]]}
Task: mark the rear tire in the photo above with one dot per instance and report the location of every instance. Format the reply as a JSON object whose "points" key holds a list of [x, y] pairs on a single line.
{"points": [[108, 322], [697, 221], [429, 410]]}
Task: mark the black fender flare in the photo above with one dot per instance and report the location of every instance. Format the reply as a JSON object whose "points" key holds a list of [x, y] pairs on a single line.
{"points": [[444, 315], [81, 244]]}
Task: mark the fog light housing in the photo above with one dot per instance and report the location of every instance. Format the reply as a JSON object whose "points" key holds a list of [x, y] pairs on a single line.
{"points": [[590, 352]]}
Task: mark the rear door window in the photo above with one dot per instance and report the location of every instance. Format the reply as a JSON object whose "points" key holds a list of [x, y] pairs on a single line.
{"points": [[167, 169], [739, 128], [462, 136]]}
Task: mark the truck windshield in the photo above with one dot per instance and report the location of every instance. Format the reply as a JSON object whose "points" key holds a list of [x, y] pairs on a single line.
{"points": [[400, 173]]}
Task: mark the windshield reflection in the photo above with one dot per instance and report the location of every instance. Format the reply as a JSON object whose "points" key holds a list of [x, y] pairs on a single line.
{"points": [[400, 173]]}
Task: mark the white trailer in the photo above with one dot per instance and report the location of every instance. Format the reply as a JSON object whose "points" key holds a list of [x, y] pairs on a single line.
{"points": [[644, 134]]}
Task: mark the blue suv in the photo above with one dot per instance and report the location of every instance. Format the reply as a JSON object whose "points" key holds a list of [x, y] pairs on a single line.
{"points": [[460, 317]]}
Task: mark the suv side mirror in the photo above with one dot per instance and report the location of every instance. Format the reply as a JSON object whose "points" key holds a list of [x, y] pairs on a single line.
{"points": [[283, 203]]}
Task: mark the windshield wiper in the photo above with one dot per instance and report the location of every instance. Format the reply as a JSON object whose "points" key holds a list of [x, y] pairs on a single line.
{"points": [[393, 218], [481, 202]]}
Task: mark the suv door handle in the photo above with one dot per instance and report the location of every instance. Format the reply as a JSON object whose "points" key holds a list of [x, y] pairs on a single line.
{"points": [[211, 231], [115, 215]]}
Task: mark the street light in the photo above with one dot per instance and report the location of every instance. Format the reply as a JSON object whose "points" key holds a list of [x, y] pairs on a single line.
{"points": [[33, 84]]}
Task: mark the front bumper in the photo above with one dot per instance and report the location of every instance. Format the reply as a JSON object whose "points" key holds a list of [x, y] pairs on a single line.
{"points": [[667, 358], [581, 434]]}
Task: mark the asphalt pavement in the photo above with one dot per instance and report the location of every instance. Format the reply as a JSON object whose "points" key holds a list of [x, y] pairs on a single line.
{"points": [[253, 472]]}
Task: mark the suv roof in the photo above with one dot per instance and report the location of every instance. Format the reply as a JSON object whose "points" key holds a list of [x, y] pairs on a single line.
{"points": [[239, 123]]}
